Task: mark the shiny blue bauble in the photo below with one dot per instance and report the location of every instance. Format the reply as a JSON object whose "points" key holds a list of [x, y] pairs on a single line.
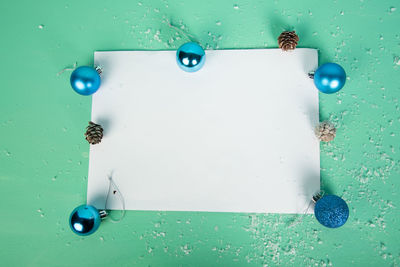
{"points": [[84, 220], [329, 78], [190, 57], [331, 211], [85, 80]]}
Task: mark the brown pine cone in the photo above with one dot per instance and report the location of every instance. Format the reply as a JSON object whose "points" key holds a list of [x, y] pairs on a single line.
{"points": [[94, 133], [325, 131], [288, 40]]}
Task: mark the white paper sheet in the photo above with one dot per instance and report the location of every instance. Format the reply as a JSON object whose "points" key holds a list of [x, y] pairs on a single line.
{"points": [[236, 136]]}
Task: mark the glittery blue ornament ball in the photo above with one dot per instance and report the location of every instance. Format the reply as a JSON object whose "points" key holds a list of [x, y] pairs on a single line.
{"points": [[85, 80], [84, 220], [190, 57], [329, 78], [331, 211]]}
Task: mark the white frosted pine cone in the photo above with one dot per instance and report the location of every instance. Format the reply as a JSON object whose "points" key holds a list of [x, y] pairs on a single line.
{"points": [[325, 131]]}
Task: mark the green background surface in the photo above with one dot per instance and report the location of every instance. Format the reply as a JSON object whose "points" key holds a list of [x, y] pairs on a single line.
{"points": [[44, 157]]}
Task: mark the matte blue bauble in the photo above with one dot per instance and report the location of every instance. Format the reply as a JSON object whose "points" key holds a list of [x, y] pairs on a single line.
{"points": [[190, 57], [329, 78], [84, 220], [331, 211], [85, 80]]}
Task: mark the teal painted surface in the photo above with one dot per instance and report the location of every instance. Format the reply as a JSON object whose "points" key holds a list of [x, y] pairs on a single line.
{"points": [[44, 157]]}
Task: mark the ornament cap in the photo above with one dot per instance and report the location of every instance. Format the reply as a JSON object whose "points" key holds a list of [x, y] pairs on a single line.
{"points": [[103, 214], [99, 70], [317, 196]]}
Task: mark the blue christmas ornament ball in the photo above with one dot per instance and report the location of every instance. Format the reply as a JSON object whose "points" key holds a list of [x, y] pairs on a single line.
{"points": [[329, 78], [85, 80], [331, 211], [190, 57], [84, 220]]}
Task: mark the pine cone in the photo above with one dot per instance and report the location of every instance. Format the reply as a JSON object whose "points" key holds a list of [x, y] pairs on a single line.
{"points": [[288, 40], [94, 133], [325, 131]]}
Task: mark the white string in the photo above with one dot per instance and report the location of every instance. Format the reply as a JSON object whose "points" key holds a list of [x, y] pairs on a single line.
{"points": [[186, 35], [65, 69], [120, 196], [300, 219]]}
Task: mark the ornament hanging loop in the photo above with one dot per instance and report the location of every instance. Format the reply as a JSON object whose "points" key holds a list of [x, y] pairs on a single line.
{"points": [[67, 69], [120, 196]]}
